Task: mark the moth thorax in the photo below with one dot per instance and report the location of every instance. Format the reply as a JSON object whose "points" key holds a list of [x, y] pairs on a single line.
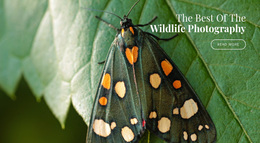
{"points": [[129, 38]]}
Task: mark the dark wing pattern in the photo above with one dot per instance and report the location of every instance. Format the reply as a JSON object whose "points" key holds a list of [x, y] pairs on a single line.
{"points": [[172, 109], [141, 87], [116, 114]]}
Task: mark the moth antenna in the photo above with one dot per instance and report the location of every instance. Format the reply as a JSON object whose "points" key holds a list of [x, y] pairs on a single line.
{"points": [[104, 12], [132, 8]]}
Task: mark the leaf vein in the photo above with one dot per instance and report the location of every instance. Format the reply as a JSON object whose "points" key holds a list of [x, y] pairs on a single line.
{"points": [[230, 98], [210, 97]]}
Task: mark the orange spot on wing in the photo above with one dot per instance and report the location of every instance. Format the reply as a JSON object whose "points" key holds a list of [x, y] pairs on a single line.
{"points": [[103, 101], [122, 32], [132, 54], [132, 30], [177, 84], [106, 81], [167, 67]]}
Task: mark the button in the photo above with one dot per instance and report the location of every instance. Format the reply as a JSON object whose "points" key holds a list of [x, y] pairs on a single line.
{"points": [[228, 44]]}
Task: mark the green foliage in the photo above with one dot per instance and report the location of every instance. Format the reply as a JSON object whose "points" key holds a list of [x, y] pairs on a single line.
{"points": [[56, 46], [25, 121]]}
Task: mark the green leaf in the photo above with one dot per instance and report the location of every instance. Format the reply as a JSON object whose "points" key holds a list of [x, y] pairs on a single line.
{"points": [[56, 46]]}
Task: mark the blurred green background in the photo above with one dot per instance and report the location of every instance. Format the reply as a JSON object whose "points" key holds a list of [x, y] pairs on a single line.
{"points": [[24, 120]]}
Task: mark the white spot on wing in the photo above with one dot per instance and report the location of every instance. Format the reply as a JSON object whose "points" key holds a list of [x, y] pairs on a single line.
{"points": [[207, 126], [133, 121], [189, 109], [113, 125], [193, 137], [101, 128], [185, 135], [175, 111], [127, 134], [164, 124], [120, 89], [155, 80], [200, 127], [152, 115]]}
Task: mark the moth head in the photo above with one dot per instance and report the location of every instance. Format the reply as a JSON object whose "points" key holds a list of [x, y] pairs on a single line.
{"points": [[126, 22]]}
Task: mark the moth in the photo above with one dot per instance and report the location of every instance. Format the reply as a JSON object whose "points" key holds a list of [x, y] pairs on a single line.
{"points": [[141, 88]]}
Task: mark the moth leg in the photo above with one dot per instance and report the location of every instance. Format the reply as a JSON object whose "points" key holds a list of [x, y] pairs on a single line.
{"points": [[165, 39], [141, 25], [110, 25], [102, 62]]}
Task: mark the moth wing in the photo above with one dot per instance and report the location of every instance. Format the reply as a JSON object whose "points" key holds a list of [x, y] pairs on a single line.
{"points": [[173, 112], [116, 114]]}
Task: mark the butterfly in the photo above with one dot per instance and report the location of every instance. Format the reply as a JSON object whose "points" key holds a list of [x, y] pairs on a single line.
{"points": [[141, 88]]}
